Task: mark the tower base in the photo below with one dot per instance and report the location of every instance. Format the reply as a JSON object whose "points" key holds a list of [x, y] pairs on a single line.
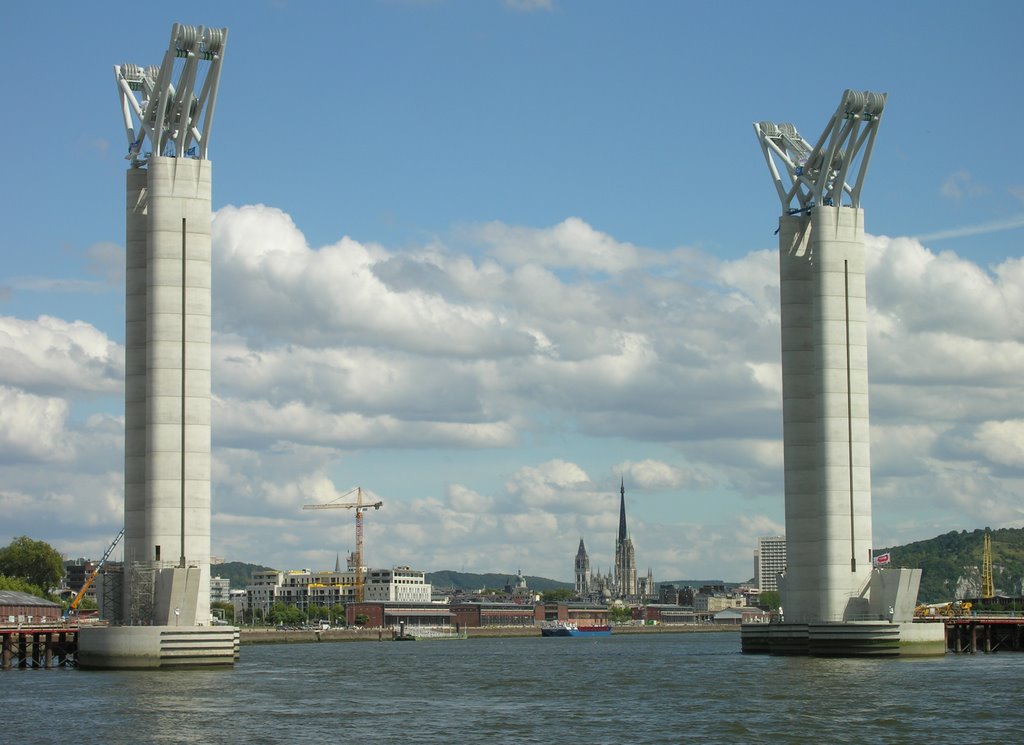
{"points": [[849, 639], [157, 647]]}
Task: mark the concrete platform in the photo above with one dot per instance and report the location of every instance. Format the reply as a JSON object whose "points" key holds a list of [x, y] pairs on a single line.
{"points": [[157, 647], [849, 639]]}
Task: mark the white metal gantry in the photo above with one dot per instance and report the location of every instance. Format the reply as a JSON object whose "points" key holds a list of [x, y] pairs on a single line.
{"points": [[822, 175], [175, 114]]}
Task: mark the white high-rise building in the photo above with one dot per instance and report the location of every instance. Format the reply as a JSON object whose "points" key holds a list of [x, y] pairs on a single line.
{"points": [[769, 562]]}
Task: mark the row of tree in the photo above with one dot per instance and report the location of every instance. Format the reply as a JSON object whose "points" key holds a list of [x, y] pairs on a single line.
{"points": [[281, 614]]}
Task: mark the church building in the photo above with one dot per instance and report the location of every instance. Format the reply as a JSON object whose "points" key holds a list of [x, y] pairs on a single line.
{"points": [[582, 571], [625, 555], [621, 581]]}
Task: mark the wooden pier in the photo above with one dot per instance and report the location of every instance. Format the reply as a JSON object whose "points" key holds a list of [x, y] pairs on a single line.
{"points": [[973, 634], [38, 647]]}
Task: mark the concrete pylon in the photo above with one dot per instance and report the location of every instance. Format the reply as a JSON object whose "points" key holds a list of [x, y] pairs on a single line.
{"points": [[168, 329], [826, 436]]}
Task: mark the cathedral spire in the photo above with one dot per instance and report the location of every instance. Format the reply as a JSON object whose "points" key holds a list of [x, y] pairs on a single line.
{"points": [[623, 535], [625, 556]]}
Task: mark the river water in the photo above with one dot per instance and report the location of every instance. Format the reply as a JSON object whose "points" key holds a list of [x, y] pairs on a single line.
{"points": [[650, 688]]}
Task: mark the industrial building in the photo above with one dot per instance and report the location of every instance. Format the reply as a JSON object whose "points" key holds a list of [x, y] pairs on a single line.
{"points": [[482, 613], [398, 615], [23, 608]]}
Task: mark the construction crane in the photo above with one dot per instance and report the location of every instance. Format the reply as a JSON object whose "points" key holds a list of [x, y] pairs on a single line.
{"points": [[95, 572], [988, 589], [360, 507]]}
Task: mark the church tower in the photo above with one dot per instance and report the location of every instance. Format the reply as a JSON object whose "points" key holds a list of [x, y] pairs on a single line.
{"points": [[582, 571], [625, 556]]}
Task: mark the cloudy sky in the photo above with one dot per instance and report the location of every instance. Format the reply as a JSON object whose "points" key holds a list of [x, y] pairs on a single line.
{"points": [[484, 259]]}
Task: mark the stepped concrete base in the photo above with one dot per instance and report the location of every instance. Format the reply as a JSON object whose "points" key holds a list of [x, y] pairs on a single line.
{"points": [[849, 639], [157, 647]]}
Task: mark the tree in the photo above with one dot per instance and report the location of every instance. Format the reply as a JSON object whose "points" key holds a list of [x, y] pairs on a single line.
{"points": [[20, 585], [362, 619], [769, 599], [287, 615], [35, 562], [620, 613], [227, 608], [337, 614]]}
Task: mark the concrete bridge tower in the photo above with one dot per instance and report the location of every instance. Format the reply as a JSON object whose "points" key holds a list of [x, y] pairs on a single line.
{"points": [[834, 602], [168, 116], [824, 359]]}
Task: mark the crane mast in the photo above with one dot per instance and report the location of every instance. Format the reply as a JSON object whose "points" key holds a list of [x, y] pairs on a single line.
{"points": [[988, 589], [73, 606], [360, 507]]}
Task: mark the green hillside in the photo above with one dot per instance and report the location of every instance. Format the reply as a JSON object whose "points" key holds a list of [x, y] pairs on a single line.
{"points": [[951, 563], [240, 572], [469, 581], [237, 571]]}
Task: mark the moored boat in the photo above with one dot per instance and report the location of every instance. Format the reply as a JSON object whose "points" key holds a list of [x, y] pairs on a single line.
{"points": [[567, 628], [418, 634]]}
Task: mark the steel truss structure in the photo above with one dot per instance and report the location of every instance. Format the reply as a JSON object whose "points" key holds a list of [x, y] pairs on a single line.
{"points": [[805, 176], [162, 103]]}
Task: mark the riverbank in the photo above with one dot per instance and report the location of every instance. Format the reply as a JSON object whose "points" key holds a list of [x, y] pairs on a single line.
{"points": [[273, 636]]}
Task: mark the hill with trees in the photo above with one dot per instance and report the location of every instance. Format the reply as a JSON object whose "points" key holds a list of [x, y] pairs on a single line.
{"points": [[951, 563], [238, 572], [468, 581]]}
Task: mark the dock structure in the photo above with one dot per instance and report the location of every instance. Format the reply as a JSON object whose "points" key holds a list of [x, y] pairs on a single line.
{"points": [[987, 634], [38, 647]]}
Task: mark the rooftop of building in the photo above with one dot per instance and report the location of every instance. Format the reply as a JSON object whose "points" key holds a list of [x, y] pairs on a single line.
{"points": [[14, 597]]}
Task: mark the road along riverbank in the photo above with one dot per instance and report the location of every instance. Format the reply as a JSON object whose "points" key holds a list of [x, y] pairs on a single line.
{"points": [[306, 636]]}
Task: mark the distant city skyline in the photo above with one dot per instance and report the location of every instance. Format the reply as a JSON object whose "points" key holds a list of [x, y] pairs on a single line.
{"points": [[483, 259]]}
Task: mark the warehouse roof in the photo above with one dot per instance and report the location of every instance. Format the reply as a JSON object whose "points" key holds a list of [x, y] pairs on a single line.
{"points": [[13, 597]]}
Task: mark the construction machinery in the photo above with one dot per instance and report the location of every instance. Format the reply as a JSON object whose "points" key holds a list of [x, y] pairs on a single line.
{"points": [[360, 507], [92, 576], [953, 609]]}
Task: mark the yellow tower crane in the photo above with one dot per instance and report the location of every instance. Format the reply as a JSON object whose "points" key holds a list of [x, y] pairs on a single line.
{"points": [[988, 588], [360, 507]]}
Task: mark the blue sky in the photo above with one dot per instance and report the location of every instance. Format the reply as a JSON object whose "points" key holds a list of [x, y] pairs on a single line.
{"points": [[483, 258]]}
